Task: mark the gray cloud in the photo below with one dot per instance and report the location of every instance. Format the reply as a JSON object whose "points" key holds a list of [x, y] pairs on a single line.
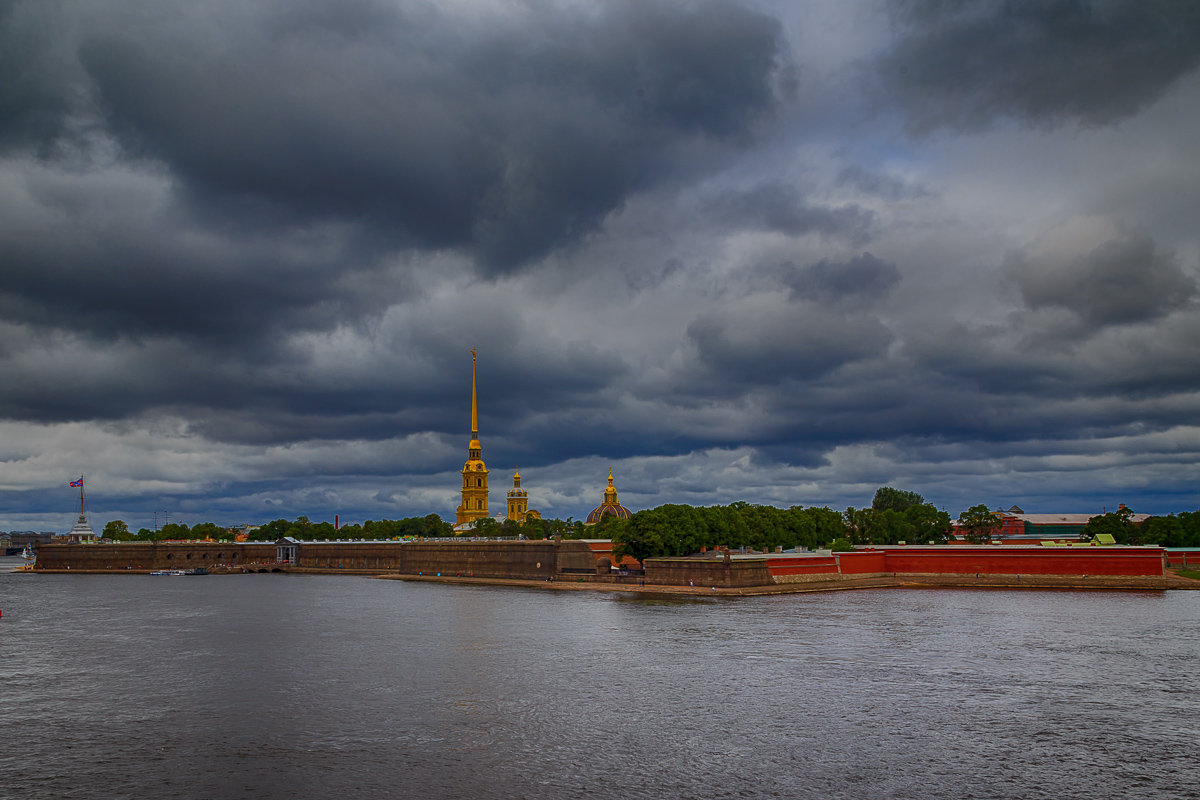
{"points": [[1120, 281], [966, 63], [862, 278], [440, 131], [762, 341], [245, 248], [782, 208], [879, 184]]}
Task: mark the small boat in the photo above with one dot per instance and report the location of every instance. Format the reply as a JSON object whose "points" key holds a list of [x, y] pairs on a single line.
{"points": [[168, 572]]}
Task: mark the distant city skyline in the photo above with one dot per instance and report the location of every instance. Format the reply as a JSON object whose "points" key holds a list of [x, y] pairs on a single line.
{"points": [[773, 252]]}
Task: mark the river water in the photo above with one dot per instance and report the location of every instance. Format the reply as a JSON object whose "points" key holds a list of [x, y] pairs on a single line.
{"points": [[278, 686]]}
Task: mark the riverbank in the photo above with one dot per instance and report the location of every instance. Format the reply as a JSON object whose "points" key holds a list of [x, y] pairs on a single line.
{"points": [[585, 565], [1064, 582], [1099, 583]]}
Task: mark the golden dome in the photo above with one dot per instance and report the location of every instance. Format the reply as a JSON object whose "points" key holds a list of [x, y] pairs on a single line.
{"points": [[609, 506]]}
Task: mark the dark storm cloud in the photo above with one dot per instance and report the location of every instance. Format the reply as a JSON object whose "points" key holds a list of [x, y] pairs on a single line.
{"points": [[862, 278], [507, 139], [966, 63], [768, 343], [272, 158], [35, 93], [879, 184], [1121, 281], [782, 208], [141, 281]]}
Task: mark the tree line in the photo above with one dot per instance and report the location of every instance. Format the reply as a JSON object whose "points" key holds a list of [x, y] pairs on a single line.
{"points": [[428, 526], [1173, 530], [894, 516], [674, 530]]}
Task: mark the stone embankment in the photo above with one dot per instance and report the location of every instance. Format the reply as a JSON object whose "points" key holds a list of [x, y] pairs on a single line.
{"points": [[573, 565]]}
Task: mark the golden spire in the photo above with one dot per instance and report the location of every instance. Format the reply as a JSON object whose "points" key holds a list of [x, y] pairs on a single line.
{"points": [[474, 472], [474, 403]]}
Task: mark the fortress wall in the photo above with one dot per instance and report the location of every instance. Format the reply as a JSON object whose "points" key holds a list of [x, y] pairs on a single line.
{"points": [[1001, 560], [576, 554], [802, 568], [1183, 557], [491, 559], [707, 572], [504, 559], [541, 560], [349, 555], [151, 555], [862, 562], [534, 560]]}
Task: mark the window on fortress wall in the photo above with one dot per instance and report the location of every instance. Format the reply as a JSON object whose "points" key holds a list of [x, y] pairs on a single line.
{"points": [[479, 481]]}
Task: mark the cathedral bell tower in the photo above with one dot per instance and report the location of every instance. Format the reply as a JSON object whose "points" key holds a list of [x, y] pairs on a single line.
{"points": [[474, 472], [518, 500]]}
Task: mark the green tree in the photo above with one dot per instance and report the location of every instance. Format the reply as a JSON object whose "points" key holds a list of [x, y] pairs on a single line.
{"points": [[926, 523], [859, 522], [1118, 523], [828, 524], [486, 526], [117, 531], [434, 526], [173, 530], [209, 530], [841, 546], [978, 524], [1165, 531], [1189, 521], [895, 499]]}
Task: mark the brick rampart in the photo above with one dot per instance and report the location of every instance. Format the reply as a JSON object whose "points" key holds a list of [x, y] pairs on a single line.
{"points": [[1183, 557], [707, 572], [910, 560], [862, 562], [540, 560], [486, 559], [507, 559], [152, 555], [1001, 560]]}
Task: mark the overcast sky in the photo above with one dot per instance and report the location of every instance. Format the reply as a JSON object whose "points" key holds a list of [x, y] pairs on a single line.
{"points": [[781, 252]]}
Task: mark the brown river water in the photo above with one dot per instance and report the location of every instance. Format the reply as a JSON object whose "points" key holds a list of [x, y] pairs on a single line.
{"points": [[279, 686]]}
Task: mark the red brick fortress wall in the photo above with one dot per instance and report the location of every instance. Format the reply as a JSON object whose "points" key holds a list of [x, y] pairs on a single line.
{"points": [[1024, 560]]}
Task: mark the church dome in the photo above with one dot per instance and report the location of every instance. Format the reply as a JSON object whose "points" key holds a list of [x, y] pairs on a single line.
{"points": [[609, 506]]}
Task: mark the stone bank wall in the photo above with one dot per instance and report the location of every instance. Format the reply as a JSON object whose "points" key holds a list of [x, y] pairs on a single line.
{"points": [[152, 555], [707, 572], [534, 560]]}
